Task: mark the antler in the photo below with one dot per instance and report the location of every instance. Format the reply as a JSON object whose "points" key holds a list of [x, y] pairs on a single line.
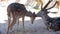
{"points": [[44, 8], [41, 5], [52, 6], [47, 4]]}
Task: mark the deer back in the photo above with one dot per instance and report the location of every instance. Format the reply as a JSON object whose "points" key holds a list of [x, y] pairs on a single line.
{"points": [[16, 9]]}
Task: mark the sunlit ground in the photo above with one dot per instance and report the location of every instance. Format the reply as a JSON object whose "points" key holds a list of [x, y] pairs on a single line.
{"points": [[3, 12]]}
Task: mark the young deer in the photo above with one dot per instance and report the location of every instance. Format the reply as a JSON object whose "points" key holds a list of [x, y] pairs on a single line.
{"points": [[16, 11], [51, 23]]}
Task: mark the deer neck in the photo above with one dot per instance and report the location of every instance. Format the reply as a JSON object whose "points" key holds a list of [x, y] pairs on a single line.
{"points": [[45, 17], [29, 14]]}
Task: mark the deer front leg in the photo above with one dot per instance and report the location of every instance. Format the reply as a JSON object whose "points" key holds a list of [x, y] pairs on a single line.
{"points": [[48, 25]]}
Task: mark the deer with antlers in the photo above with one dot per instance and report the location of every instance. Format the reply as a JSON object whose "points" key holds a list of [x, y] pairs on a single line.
{"points": [[16, 11], [51, 23]]}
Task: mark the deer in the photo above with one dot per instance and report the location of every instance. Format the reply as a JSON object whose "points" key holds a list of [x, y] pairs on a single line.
{"points": [[16, 11], [51, 23]]}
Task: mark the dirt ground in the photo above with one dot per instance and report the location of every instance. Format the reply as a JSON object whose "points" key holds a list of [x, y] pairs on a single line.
{"points": [[37, 28]]}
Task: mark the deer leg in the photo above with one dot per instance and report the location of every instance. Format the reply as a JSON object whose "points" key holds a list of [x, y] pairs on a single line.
{"points": [[18, 24], [8, 24], [12, 24], [23, 23], [9, 21], [48, 26]]}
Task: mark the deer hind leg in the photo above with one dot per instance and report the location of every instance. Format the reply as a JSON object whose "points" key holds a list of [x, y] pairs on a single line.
{"points": [[9, 21], [12, 24]]}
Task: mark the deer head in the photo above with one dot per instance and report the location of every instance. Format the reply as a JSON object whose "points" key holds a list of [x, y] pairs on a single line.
{"points": [[43, 13], [31, 15], [43, 10]]}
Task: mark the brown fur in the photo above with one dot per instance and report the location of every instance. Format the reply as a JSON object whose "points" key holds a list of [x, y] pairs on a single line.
{"points": [[16, 11]]}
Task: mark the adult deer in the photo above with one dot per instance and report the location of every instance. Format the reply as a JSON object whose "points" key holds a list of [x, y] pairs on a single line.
{"points": [[16, 11], [51, 23]]}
